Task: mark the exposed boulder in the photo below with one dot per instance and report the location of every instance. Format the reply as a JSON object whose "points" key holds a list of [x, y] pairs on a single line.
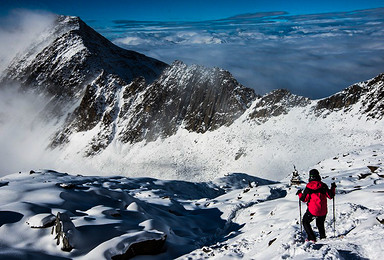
{"points": [[373, 168], [140, 243]]}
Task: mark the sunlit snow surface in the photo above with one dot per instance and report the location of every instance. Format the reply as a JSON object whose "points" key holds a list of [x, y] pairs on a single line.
{"points": [[236, 216]]}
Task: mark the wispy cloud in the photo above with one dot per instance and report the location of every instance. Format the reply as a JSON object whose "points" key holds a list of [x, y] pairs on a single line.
{"points": [[23, 138], [23, 135], [18, 30], [312, 55]]}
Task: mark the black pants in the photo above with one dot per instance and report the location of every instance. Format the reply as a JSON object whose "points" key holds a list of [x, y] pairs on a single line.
{"points": [[307, 219]]}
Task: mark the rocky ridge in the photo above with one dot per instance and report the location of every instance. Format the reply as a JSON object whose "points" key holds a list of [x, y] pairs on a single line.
{"points": [[367, 97], [70, 57], [192, 97]]}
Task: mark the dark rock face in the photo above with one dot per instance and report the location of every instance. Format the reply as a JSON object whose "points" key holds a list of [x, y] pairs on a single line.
{"points": [[196, 98], [98, 106], [276, 103], [146, 247], [373, 102], [342, 99]]}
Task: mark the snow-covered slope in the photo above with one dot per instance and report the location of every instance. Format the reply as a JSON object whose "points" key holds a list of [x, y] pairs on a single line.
{"points": [[276, 132], [271, 228], [236, 216]]}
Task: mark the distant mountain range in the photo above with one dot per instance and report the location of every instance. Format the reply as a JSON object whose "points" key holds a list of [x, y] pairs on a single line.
{"points": [[114, 96]]}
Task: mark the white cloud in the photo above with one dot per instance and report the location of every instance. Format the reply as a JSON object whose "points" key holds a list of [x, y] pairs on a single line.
{"points": [[21, 135], [132, 41], [18, 30]]}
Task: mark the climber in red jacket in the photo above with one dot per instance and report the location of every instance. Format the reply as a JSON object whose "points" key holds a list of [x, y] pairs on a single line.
{"points": [[315, 194]]}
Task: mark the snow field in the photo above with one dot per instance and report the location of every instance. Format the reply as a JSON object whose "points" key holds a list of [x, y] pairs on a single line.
{"points": [[231, 217]]}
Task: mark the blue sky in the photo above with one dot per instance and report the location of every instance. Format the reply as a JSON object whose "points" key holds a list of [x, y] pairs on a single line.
{"points": [[191, 10]]}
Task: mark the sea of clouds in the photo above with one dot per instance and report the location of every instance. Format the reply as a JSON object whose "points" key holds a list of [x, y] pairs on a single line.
{"points": [[311, 55]]}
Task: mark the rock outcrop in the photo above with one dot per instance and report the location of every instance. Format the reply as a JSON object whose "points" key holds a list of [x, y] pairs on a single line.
{"points": [[368, 96], [64, 231], [195, 98], [276, 103], [144, 243]]}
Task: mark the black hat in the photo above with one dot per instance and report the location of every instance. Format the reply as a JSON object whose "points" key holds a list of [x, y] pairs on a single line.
{"points": [[314, 175]]}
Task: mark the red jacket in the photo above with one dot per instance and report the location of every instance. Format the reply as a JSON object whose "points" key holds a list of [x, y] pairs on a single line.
{"points": [[316, 194]]}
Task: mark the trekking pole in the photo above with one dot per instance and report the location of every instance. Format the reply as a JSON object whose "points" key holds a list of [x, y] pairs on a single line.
{"points": [[301, 226], [334, 217]]}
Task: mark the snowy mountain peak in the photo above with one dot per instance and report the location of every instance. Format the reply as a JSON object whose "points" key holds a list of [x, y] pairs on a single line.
{"points": [[70, 57]]}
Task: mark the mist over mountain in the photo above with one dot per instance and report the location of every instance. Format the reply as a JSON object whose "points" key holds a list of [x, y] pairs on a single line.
{"points": [[267, 51], [103, 109], [19, 30]]}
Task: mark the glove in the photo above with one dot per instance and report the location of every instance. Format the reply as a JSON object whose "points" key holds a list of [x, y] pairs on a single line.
{"points": [[298, 192], [333, 185]]}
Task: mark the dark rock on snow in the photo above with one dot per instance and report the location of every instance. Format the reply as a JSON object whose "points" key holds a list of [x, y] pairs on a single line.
{"points": [[145, 247], [276, 103], [65, 231], [370, 95]]}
